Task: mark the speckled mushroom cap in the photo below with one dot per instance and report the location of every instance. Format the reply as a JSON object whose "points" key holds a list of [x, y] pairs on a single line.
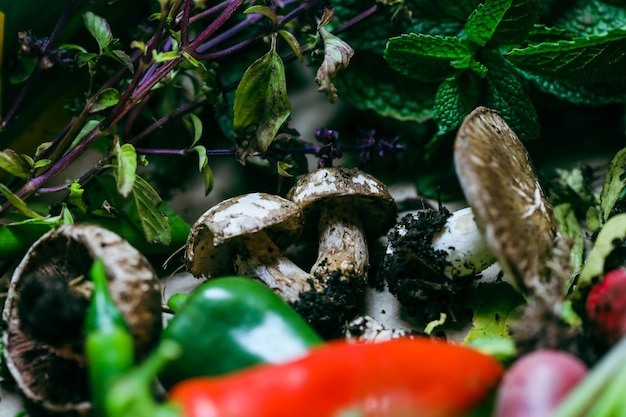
{"points": [[337, 185], [212, 241], [46, 375]]}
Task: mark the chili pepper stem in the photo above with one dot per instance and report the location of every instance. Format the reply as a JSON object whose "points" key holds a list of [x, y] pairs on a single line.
{"points": [[131, 394]]}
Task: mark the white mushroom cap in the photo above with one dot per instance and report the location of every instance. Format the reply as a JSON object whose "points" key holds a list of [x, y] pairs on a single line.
{"points": [[53, 377], [361, 191], [211, 245]]}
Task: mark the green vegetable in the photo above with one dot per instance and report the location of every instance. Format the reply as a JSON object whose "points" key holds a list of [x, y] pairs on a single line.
{"points": [[231, 323], [109, 344]]}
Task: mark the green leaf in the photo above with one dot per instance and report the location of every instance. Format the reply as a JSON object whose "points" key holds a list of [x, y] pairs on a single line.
{"points": [[614, 228], [108, 97], [282, 168], [126, 168], [593, 94], [194, 124], [203, 159], [14, 164], [368, 86], [592, 17], [41, 163], [76, 196], [614, 184], [506, 94], [455, 99], [122, 57], [424, 57], [18, 203], [571, 230], [144, 211], [588, 59], [495, 306], [263, 10], [207, 174], [99, 29], [292, 41], [261, 105], [515, 26], [483, 21]]}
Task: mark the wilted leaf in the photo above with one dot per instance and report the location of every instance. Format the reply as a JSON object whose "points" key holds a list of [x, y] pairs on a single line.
{"points": [[337, 55]]}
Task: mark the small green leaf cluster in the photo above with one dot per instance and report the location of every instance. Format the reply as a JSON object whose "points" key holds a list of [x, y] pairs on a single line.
{"points": [[456, 55]]}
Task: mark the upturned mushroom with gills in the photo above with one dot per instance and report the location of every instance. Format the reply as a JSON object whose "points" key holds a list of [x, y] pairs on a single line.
{"points": [[245, 235], [432, 258], [345, 206], [46, 308]]}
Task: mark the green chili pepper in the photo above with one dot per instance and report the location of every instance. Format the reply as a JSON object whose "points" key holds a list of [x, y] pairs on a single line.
{"points": [[109, 344], [232, 323]]}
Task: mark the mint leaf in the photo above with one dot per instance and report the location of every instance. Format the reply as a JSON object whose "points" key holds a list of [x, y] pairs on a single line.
{"points": [[261, 104], [593, 17], [590, 94], [483, 21], [425, 57], [505, 93], [517, 22], [455, 99], [588, 59], [368, 86]]}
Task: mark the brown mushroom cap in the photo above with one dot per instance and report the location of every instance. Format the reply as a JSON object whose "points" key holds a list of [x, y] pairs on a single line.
{"points": [[509, 205], [363, 193], [54, 377], [211, 245]]}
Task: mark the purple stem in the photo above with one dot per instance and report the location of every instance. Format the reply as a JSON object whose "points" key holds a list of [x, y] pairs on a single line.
{"points": [[44, 51]]}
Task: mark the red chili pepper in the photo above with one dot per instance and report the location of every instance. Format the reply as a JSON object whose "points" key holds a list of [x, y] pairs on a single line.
{"points": [[401, 377]]}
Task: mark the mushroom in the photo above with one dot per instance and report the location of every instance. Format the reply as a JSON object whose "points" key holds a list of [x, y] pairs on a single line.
{"points": [[517, 221], [345, 206], [510, 207], [432, 258], [46, 305], [245, 234], [366, 329]]}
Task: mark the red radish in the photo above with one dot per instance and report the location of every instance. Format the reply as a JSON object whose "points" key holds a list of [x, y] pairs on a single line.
{"points": [[537, 382], [606, 307]]}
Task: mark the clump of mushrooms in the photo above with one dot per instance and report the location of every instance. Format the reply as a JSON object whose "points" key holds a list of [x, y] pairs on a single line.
{"points": [[46, 305], [344, 207], [432, 258], [246, 235]]}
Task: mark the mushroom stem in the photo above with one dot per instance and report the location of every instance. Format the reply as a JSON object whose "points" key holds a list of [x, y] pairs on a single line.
{"points": [[262, 259], [343, 248]]}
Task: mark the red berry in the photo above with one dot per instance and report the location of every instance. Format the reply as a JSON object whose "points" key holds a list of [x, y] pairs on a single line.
{"points": [[606, 307]]}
